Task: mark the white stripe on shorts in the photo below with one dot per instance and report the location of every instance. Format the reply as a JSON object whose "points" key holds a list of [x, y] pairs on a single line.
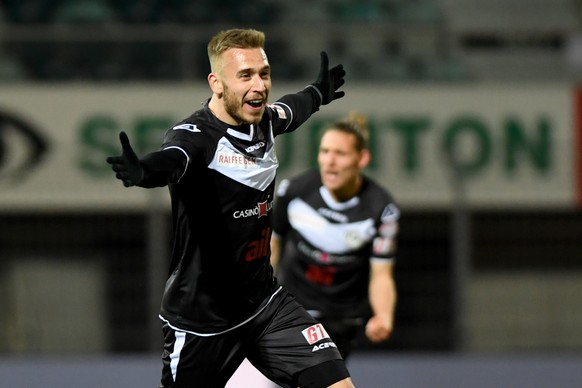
{"points": [[175, 356]]}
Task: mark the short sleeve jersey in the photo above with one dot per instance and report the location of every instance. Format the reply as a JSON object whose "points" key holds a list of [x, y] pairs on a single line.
{"points": [[220, 273], [328, 245]]}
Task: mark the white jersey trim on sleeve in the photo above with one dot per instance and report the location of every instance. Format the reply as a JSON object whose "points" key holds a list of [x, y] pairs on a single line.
{"points": [[187, 159]]}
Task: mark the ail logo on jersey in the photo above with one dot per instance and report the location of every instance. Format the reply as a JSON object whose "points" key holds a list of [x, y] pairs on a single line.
{"points": [[258, 249], [262, 209], [315, 333]]}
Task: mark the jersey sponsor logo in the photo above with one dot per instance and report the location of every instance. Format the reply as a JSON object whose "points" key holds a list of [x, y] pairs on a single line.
{"points": [[320, 275], [260, 210], [187, 127], [324, 257], [325, 345], [280, 111], [255, 147], [315, 333], [231, 159], [335, 216], [258, 249], [257, 173]]}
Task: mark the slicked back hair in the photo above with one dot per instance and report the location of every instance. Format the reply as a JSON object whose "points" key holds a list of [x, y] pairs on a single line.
{"points": [[233, 38], [354, 124]]}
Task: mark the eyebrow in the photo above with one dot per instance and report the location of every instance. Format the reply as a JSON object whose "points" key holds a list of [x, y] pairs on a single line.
{"points": [[251, 70]]}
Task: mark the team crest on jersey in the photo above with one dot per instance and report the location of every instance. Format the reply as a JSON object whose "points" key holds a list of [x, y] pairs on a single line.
{"points": [[353, 239], [315, 333]]}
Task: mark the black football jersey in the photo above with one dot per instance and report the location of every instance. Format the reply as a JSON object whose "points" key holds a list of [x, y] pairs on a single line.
{"points": [[220, 274], [328, 245]]}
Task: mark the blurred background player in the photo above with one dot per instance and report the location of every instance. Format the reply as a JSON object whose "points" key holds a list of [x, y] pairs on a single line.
{"points": [[334, 239]]}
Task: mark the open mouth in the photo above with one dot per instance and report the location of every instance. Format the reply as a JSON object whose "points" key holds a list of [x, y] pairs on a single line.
{"points": [[255, 103], [330, 175]]}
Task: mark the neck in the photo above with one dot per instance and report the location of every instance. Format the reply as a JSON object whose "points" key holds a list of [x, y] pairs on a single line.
{"points": [[217, 109], [346, 193]]}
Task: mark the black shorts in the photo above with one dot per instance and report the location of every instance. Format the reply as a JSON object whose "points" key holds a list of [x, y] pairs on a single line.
{"points": [[344, 332], [283, 342]]}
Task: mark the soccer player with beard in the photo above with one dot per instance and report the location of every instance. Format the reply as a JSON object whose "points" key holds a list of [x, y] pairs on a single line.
{"points": [[221, 302]]}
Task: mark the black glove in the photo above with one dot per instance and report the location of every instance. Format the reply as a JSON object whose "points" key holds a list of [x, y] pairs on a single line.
{"points": [[127, 166], [329, 81]]}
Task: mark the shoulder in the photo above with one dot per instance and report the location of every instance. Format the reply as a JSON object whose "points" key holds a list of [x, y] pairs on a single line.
{"points": [[300, 184], [376, 194], [198, 125], [376, 190]]}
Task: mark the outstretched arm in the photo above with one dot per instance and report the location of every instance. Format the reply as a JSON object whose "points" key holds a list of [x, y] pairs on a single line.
{"points": [[156, 169]]}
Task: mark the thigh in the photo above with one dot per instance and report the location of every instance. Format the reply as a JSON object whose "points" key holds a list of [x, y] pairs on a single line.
{"points": [[193, 361], [343, 332], [291, 343]]}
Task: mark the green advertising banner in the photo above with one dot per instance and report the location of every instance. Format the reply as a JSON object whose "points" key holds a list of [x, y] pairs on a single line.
{"points": [[496, 146]]}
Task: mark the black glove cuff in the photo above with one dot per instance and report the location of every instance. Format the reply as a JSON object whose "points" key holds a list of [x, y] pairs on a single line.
{"points": [[317, 96]]}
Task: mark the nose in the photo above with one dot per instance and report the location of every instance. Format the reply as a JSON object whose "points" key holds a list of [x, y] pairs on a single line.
{"points": [[259, 83]]}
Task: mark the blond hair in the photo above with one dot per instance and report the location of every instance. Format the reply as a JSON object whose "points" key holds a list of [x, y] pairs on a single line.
{"points": [[233, 38], [355, 124]]}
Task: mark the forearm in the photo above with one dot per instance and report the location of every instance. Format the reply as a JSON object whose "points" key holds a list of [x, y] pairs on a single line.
{"points": [[382, 295]]}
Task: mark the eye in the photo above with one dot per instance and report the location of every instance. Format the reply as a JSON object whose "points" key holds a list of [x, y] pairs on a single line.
{"points": [[21, 147]]}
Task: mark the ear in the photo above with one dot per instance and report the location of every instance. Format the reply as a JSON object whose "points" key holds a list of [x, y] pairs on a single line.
{"points": [[365, 158], [215, 84]]}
